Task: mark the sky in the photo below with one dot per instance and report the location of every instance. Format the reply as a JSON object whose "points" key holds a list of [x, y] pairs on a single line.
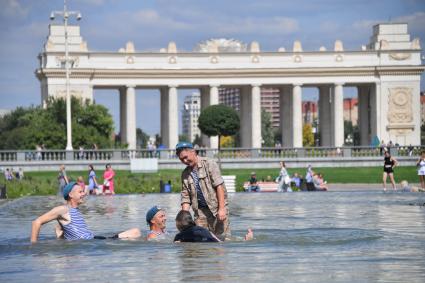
{"points": [[108, 24]]}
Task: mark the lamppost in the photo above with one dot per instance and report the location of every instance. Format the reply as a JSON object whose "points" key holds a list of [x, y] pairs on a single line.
{"points": [[66, 14]]}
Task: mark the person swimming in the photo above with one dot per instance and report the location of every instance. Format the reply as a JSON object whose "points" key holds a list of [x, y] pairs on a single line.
{"points": [[190, 232], [71, 221], [156, 219]]}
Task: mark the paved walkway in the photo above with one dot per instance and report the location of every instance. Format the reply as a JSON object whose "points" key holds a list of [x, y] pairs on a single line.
{"points": [[363, 187]]}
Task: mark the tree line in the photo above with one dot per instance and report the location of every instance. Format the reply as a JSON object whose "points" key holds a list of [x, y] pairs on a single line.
{"points": [[25, 128]]}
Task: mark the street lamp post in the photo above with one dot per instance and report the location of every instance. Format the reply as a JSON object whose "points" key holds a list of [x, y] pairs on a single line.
{"points": [[66, 14]]}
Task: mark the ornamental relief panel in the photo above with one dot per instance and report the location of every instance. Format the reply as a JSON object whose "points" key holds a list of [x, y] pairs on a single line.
{"points": [[400, 56], [400, 105]]}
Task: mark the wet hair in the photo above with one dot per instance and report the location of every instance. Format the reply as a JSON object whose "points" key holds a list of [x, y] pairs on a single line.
{"points": [[184, 220]]}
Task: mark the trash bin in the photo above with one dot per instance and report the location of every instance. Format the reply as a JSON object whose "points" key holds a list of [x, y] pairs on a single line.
{"points": [[167, 187], [3, 192], [161, 186]]}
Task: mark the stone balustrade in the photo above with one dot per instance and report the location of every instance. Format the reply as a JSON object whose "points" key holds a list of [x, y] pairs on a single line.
{"points": [[267, 157]]}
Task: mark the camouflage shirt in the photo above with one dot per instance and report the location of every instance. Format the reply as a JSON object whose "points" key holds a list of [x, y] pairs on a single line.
{"points": [[209, 179]]}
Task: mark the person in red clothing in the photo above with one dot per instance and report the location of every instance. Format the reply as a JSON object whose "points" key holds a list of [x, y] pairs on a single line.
{"points": [[108, 177]]}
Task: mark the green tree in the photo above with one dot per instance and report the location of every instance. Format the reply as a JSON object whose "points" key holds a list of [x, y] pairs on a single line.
{"points": [[24, 128], [184, 138], [267, 132], [308, 136], [197, 140], [351, 132], [227, 141], [219, 120], [142, 138]]}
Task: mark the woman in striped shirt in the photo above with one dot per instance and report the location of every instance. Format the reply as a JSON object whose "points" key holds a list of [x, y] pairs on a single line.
{"points": [[71, 221]]}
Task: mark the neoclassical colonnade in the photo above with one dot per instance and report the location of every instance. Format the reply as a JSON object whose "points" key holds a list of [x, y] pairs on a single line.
{"points": [[331, 120], [386, 73]]}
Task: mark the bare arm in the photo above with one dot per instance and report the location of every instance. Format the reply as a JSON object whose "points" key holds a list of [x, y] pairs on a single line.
{"points": [[185, 196], [53, 214], [185, 206], [66, 178], [222, 213], [395, 162]]}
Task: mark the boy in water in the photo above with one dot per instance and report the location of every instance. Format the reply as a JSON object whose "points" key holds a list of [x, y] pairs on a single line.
{"points": [[71, 220], [190, 232]]}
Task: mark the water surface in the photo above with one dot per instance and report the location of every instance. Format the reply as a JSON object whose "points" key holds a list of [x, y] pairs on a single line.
{"points": [[299, 237]]}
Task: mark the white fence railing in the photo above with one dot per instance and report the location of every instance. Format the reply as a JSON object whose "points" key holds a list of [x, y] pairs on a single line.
{"points": [[225, 153]]}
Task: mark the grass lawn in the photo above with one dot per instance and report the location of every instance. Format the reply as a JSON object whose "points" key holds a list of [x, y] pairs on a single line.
{"points": [[45, 183]]}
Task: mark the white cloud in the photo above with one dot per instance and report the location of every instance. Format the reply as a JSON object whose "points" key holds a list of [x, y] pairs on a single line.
{"points": [[416, 21], [13, 9], [274, 25], [150, 17], [92, 2], [365, 24]]}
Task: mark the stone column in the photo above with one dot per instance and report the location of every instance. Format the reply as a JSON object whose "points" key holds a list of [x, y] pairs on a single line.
{"points": [[244, 115], [209, 96], [256, 116], [375, 112], [363, 114], [123, 114], [164, 114], [131, 117], [338, 115], [286, 115], [325, 128], [297, 121], [169, 116]]}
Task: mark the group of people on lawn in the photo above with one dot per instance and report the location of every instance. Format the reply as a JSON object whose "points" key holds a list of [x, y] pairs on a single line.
{"points": [[285, 183], [93, 186]]}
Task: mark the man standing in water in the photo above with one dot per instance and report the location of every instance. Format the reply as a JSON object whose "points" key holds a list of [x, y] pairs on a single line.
{"points": [[71, 220], [203, 189]]}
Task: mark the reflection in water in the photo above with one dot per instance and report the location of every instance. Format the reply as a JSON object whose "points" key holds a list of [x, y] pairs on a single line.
{"points": [[212, 256], [308, 237]]}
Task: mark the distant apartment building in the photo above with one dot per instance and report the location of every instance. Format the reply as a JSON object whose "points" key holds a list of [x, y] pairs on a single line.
{"points": [[269, 101], [309, 111], [351, 110], [229, 97], [190, 114]]}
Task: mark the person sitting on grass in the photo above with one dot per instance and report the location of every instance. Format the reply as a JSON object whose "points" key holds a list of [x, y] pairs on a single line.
{"points": [[296, 180], [71, 221], [253, 183], [319, 184], [189, 232]]}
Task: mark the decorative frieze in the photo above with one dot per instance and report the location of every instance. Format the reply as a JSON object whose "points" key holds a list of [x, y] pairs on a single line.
{"points": [[400, 105]]}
